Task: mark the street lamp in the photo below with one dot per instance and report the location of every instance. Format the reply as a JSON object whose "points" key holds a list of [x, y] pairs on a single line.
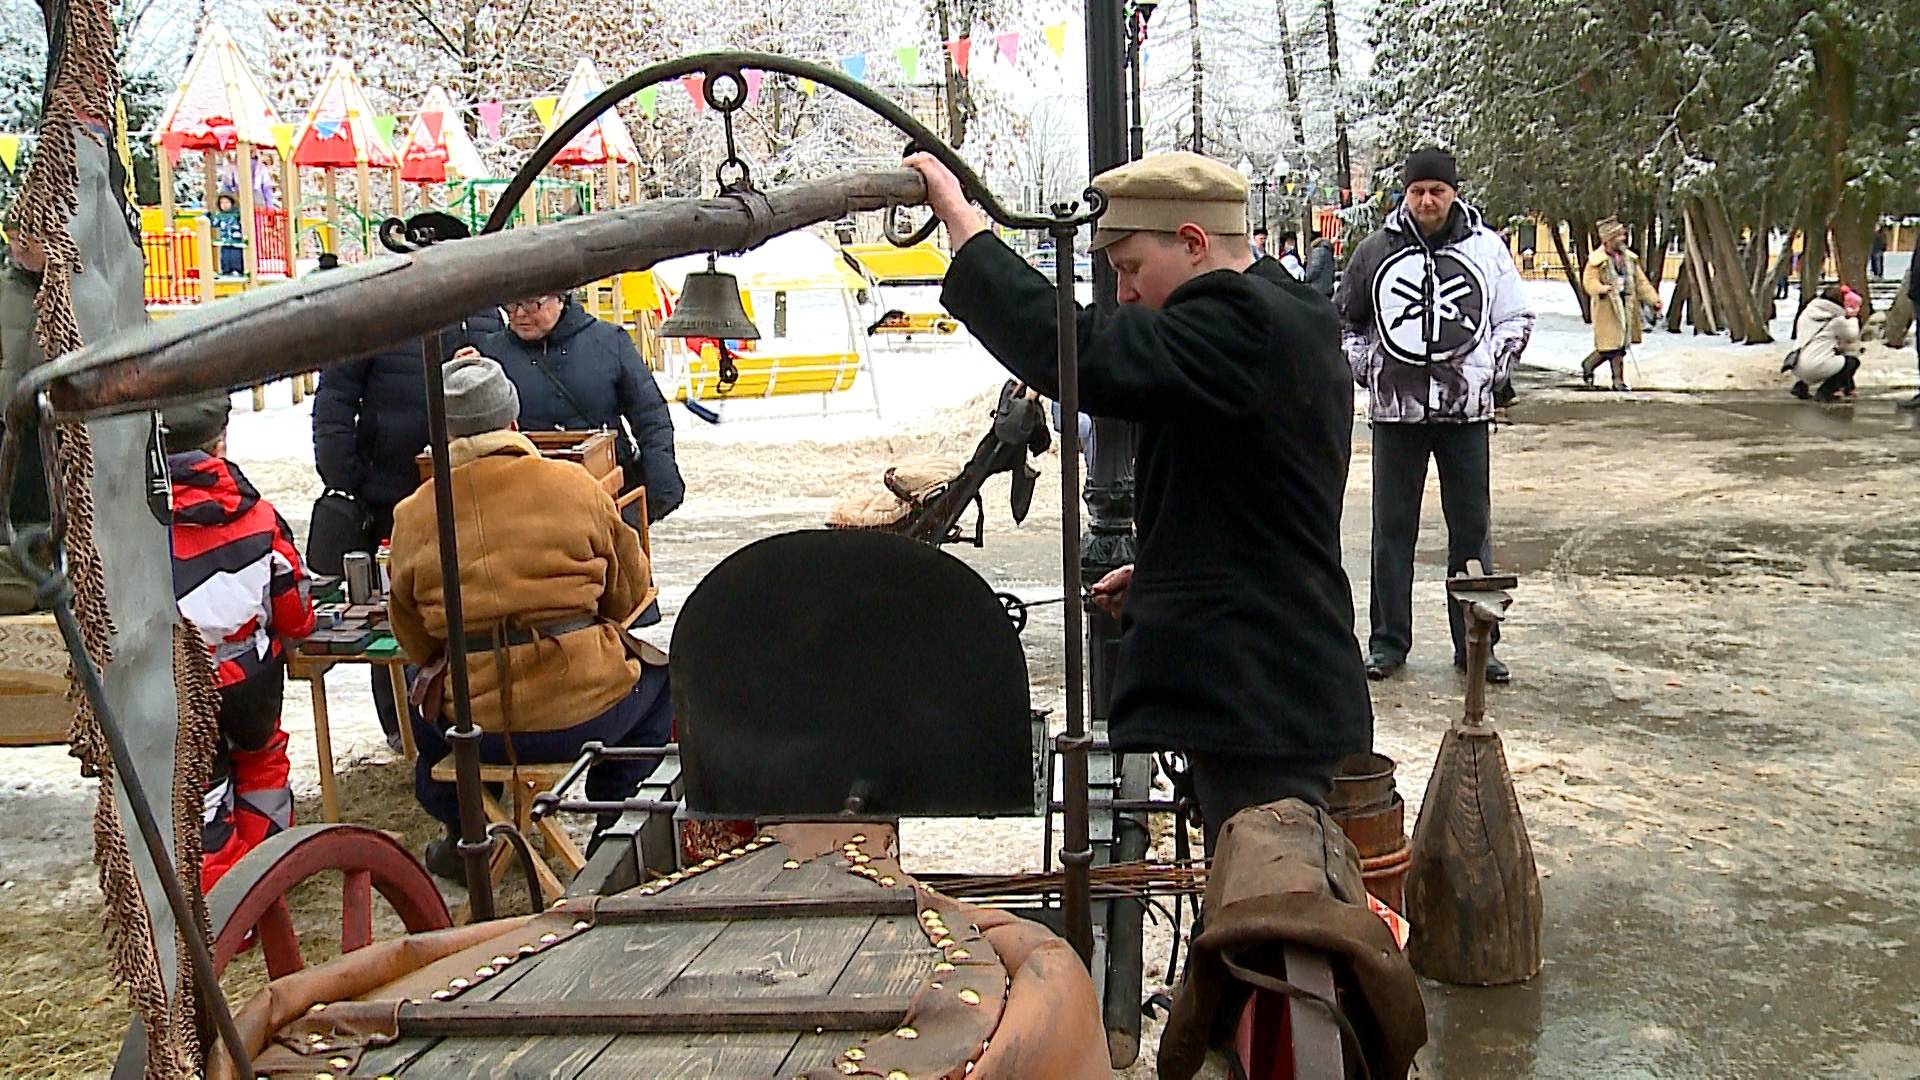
{"points": [[1246, 172]]}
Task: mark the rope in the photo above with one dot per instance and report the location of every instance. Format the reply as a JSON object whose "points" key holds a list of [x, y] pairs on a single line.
{"points": [[86, 85]]}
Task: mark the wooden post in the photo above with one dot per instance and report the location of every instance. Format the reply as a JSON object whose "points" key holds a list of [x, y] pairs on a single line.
{"points": [[396, 191], [363, 199], [209, 261], [166, 188], [290, 198], [243, 194], [333, 212], [530, 205], [633, 181], [613, 185], [210, 163]]}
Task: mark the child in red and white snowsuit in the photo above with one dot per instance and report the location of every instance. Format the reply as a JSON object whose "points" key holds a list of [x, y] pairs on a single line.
{"points": [[237, 576]]}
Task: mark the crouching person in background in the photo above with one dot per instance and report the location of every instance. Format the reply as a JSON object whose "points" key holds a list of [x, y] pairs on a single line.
{"points": [[237, 577], [548, 573]]}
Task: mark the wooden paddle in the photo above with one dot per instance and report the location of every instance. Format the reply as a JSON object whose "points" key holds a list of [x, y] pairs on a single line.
{"points": [[1473, 895]]}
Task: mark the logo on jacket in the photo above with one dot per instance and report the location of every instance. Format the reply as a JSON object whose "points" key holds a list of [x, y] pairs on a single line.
{"points": [[1429, 309]]}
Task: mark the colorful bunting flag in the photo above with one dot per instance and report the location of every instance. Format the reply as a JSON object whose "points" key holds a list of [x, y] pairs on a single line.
{"points": [[283, 139], [435, 122], [328, 129], [543, 108], [649, 99], [809, 87], [909, 57], [855, 66], [1057, 39], [490, 118], [753, 79], [1009, 45], [9, 151], [385, 125], [696, 87], [960, 49]]}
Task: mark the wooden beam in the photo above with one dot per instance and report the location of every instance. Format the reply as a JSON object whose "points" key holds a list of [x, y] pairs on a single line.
{"points": [[166, 187], [654, 1016], [633, 908], [332, 192], [304, 326], [364, 198], [290, 198], [243, 195]]}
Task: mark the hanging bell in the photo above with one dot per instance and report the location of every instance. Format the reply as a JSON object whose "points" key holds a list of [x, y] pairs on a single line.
{"points": [[710, 308]]}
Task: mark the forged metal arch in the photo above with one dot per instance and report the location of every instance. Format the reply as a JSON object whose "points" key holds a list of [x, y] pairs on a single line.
{"points": [[723, 69]]}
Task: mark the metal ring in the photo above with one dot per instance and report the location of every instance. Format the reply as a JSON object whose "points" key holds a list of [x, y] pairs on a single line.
{"points": [[731, 77]]}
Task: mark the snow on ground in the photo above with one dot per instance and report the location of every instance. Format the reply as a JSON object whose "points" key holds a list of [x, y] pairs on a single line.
{"points": [[1689, 361]]}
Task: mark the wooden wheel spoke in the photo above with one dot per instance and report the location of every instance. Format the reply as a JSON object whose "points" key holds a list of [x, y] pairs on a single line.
{"points": [[356, 910], [278, 942]]}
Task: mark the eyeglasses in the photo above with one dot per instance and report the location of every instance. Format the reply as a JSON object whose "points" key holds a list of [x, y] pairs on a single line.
{"points": [[519, 307]]}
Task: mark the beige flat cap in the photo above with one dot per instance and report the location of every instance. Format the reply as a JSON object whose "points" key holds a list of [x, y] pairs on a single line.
{"points": [[1162, 192]]}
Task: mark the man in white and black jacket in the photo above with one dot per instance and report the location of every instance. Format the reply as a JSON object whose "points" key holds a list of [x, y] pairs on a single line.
{"points": [[1434, 322]]}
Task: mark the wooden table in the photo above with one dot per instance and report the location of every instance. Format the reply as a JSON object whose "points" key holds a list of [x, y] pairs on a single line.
{"points": [[312, 668]]}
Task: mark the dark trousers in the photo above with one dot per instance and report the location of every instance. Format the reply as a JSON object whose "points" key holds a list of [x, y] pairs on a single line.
{"points": [[1839, 380], [1400, 453], [642, 718], [1615, 361], [1226, 784]]}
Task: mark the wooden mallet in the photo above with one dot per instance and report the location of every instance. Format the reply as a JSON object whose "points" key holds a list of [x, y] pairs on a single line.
{"points": [[1473, 895]]}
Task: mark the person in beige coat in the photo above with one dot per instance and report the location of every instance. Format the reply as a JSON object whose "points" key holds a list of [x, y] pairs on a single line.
{"points": [[1617, 286], [548, 571]]}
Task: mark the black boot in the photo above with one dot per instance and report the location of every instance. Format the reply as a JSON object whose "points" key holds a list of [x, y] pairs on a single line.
{"points": [[1800, 391], [1381, 665], [443, 857], [1496, 668]]}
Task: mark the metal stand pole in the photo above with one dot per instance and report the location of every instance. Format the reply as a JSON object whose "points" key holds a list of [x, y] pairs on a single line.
{"points": [[1076, 857], [1115, 34], [475, 846]]}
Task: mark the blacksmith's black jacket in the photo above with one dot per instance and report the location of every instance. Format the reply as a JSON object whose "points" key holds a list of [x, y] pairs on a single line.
{"points": [[1237, 631]]}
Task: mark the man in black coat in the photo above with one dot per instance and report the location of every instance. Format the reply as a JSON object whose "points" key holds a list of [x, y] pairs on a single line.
{"points": [[369, 424], [1237, 641], [1319, 269], [577, 373]]}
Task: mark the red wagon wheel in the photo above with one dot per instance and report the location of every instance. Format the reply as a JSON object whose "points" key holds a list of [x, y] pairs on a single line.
{"points": [[251, 897]]}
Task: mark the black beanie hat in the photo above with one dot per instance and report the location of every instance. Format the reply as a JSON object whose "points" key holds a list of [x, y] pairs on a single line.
{"points": [[190, 425], [1432, 163]]}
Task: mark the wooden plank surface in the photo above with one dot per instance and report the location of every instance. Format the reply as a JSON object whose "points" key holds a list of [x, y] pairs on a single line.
{"points": [[704, 959], [392, 1059], [893, 959], [634, 961], [747, 874], [757, 958]]}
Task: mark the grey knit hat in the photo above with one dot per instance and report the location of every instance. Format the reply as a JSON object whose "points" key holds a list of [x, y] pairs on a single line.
{"points": [[480, 397]]}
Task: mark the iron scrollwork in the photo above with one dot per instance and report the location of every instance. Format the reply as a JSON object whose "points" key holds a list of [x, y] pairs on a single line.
{"points": [[725, 91]]}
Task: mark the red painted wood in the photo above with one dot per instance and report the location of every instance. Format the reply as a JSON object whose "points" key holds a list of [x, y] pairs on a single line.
{"points": [[278, 942], [356, 910], [250, 898]]}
